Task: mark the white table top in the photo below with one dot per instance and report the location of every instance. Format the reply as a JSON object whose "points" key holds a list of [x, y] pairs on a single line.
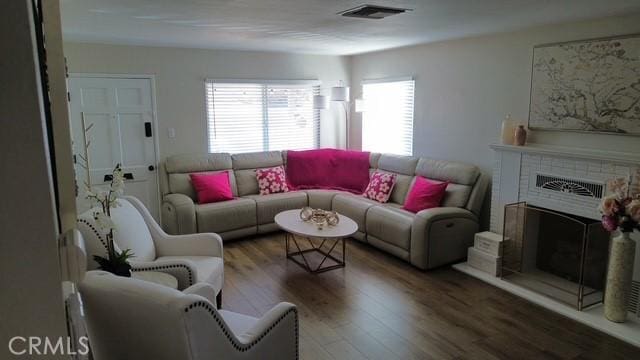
{"points": [[290, 221]]}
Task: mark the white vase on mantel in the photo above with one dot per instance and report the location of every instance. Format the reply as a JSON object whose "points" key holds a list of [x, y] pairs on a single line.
{"points": [[507, 131], [619, 276]]}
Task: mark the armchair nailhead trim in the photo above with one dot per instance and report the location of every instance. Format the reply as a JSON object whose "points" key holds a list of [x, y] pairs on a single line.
{"points": [[95, 231], [147, 268], [245, 347], [165, 267]]}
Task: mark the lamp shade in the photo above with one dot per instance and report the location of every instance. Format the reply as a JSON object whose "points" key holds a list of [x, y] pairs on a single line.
{"points": [[340, 93], [320, 102]]}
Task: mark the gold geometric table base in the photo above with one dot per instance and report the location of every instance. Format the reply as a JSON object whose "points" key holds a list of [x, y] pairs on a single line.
{"points": [[297, 252]]}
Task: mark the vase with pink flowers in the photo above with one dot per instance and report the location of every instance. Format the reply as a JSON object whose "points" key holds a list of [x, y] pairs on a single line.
{"points": [[621, 217]]}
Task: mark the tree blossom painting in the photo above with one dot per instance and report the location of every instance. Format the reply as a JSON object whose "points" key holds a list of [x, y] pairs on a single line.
{"points": [[591, 86]]}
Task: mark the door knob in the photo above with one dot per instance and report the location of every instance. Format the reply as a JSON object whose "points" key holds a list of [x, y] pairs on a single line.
{"points": [[151, 168]]}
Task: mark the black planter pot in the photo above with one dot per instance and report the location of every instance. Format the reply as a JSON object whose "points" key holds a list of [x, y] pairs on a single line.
{"points": [[117, 268]]}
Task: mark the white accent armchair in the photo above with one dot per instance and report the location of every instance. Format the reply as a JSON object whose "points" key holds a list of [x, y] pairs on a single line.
{"points": [[192, 258], [133, 319]]}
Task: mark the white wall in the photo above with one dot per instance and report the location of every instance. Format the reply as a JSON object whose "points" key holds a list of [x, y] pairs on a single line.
{"points": [[30, 285], [180, 75], [464, 88]]}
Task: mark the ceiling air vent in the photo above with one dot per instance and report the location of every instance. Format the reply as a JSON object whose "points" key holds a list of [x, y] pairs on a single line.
{"points": [[372, 12]]}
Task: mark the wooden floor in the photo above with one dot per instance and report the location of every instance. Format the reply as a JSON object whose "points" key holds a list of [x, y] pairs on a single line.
{"points": [[379, 307]]}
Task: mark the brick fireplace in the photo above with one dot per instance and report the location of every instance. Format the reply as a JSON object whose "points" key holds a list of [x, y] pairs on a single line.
{"points": [[572, 181]]}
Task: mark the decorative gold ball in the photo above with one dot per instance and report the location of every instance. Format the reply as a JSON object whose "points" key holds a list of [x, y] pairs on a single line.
{"points": [[306, 213]]}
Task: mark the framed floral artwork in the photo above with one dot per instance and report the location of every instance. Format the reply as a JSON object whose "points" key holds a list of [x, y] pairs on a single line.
{"points": [[589, 85]]}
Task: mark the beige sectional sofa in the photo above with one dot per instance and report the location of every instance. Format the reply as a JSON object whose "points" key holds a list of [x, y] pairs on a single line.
{"points": [[428, 239]]}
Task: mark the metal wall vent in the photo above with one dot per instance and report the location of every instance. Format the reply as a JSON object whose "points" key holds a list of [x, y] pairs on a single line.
{"points": [[372, 12], [571, 186]]}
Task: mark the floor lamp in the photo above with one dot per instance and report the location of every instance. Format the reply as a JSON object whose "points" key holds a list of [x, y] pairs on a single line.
{"points": [[340, 94]]}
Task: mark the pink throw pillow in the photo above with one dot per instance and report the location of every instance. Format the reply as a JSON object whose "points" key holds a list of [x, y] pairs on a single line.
{"points": [[380, 186], [271, 180], [212, 188], [425, 194]]}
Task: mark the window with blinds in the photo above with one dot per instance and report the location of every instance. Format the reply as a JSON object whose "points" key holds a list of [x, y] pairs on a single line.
{"points": [[247, 117], [387, 120]]}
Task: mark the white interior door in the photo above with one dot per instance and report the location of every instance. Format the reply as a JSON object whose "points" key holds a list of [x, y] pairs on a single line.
{"points": [[119, 116]]}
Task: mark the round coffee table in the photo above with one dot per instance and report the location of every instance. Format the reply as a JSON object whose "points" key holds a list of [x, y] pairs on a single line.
{"points": [[299, 232]]}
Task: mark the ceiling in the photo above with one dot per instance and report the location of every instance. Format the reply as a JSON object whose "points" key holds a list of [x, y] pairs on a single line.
{"points": [[312, 26]]}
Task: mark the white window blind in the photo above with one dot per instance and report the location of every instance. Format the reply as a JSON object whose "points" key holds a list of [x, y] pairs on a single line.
{"points": [[387, 120], [247, 117]]}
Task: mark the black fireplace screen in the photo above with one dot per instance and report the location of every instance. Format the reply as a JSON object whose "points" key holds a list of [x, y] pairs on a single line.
{"points": [[558, 255]]}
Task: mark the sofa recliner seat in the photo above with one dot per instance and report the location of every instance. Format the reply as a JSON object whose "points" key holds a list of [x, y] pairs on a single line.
{"points": [[428, 239]]}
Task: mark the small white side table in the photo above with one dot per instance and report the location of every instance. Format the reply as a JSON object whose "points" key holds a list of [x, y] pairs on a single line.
{"points": [[294, 227], [156, 277]]}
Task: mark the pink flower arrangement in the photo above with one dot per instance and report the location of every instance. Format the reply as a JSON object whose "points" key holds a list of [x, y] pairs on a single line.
{"points": [[620, 212]]}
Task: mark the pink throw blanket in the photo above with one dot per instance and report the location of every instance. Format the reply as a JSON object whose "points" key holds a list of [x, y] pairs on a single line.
{"points": [[328, 169]]}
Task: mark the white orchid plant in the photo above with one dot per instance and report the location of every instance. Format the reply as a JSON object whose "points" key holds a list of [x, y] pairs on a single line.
{"points": [[103, 201]]}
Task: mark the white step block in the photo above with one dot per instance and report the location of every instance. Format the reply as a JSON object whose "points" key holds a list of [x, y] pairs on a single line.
{"points": [[484, 262], [489, 242]]}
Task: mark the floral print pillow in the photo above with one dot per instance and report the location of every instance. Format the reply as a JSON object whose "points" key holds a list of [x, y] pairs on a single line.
{"points": [[380, 186], [271, 180]]}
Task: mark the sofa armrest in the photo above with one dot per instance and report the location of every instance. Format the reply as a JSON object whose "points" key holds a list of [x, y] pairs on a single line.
{"points": [[441, 235], [439, 213], [183, 270], [203, 244], [178, 214]]}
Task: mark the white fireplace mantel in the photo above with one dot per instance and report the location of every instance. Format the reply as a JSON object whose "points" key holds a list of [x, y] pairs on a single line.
{"points": [[517, 171], [574, 152]]}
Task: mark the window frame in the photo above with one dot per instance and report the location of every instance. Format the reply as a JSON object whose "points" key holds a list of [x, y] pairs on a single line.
{"points": [[413, 109], [314, 83]]}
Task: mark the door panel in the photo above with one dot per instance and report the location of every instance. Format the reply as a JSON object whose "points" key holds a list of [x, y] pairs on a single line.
{"points": [[132, 135], [117, 110]]}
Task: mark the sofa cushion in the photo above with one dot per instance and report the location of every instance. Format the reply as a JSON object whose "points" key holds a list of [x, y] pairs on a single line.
{"points": [[401, 188], [380, 186], [405, 165], [180, 183], [373, 160], [456, 195], [226, 215], [354, 207], [188, 163], [451, 171], [247, 182], [272, 180], [270, 205], [212, 188], [209, 269], [256, 160], [424, 194], [322, 199], [245, 166], [390, 224]]}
